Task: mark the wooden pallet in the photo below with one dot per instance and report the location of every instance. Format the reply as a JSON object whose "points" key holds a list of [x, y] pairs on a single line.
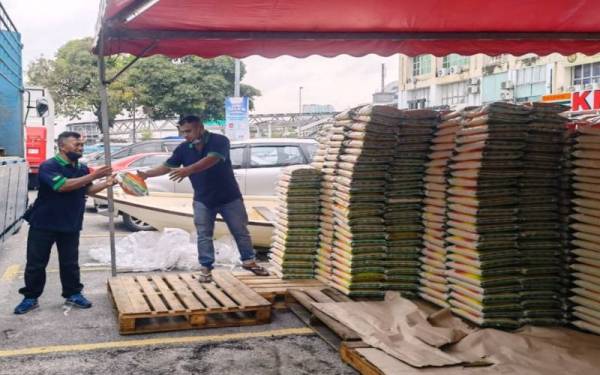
{"points": [[177, 301], [329, 329], [352, 357], [274, 289]]}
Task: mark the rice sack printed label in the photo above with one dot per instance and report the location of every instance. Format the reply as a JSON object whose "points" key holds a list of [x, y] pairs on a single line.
{"points": [[132, 184]]}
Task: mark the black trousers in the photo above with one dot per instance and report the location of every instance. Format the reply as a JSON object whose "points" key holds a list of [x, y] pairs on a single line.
{"points": [[39, 245]]}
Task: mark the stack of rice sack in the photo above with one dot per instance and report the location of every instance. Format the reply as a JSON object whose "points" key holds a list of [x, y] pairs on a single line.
{"points": [[483, 259], [404, 200], [586, 230], [565, 199], [539, 220], [332, 145], [359, 235], [322, 137], [296, 233]]}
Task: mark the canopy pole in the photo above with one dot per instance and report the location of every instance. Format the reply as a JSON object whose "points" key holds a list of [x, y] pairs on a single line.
{"points": [[106, 139]]}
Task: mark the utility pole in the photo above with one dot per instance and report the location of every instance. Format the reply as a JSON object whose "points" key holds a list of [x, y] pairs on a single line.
{"points": [[382, 77], [236, 87], [300, 99], [134, 108]]}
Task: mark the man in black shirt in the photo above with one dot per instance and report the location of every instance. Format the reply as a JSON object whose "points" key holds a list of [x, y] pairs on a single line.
{"points": [[205, 159], [56, 217]]}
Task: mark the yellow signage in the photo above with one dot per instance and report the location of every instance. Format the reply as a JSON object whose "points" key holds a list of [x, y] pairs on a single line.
{"points": [[561, 97]]}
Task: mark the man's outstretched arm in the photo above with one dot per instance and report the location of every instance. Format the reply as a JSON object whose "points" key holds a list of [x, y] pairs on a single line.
{"points": [[201, 165], [154, 172]]}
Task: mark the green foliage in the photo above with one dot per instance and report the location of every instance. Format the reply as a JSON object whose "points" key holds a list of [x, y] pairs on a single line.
{"points": [[190, 85], [147, 135], [164, 87], [72, 78]]}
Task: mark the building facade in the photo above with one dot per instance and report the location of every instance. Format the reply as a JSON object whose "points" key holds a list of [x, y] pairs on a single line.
{"points": [[454, 80]]}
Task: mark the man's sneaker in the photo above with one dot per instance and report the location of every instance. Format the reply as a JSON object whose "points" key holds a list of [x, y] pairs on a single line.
{"points": [[26, 306], [78, 300]]}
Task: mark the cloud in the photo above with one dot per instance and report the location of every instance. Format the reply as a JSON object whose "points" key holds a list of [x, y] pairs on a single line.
{"points": [[47, 25], [343, 81]]}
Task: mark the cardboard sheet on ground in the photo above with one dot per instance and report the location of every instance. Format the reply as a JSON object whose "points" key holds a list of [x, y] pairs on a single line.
{"points": [[401, 328], [401, 343], [528, 351]]}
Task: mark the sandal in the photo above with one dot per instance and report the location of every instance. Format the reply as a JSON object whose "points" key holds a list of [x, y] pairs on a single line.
{"points": [[255, 269], [204, 277]]}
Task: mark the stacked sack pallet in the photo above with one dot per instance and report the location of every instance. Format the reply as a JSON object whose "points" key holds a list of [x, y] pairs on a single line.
{"points": [[330, 147], [404, 200], [432, 276], [565, 199], [318, 160], [483, 259], [296, 233], [539, 219], [359, 236], [586, 230]]}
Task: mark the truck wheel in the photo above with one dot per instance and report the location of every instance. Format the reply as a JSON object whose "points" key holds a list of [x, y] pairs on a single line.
{"points": [[135, 224]]}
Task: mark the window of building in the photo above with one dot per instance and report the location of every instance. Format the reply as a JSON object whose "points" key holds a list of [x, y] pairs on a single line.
{"points": [[419, 98], [455, 60], [454, 93], [586, 74], [421, 65], [531, 83]]}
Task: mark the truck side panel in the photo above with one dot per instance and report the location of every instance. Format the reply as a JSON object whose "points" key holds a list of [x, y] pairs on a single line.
{"points": [[13, 195], [11, 98]]}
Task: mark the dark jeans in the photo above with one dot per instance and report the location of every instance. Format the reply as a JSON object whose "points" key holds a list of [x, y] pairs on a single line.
{"points": [[235, 216], [39, 244]]}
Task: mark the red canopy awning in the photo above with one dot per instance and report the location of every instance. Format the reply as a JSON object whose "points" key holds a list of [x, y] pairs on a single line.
{"points": [[300, 28]]}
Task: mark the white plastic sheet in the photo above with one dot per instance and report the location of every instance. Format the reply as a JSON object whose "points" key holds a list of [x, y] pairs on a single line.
{"points": [[172, 249]]}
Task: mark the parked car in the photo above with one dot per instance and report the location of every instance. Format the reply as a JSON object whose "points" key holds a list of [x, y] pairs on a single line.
{"points": [[257, 164], [96, 152], [160, 145], [137, 161]]}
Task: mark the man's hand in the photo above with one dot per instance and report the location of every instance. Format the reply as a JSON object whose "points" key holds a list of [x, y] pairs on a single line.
{"points": [[142, 174], [111, 180], [179, 174], [103, 171]]}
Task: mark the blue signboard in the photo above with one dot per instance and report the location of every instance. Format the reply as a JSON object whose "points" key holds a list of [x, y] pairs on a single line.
{"points": [[236, 118]]}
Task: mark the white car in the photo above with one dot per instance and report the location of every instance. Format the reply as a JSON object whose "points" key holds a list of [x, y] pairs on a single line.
{"points": [[257, 164]]}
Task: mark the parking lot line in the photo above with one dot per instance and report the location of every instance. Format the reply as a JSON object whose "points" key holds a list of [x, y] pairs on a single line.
{"points": [[20, 273], [153, 342], [11, 272]]}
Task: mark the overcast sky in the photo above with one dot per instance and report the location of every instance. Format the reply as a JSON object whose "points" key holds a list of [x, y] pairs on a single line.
{"points": [[343, 81]]}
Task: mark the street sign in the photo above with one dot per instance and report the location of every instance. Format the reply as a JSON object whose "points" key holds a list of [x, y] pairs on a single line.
{"points": [[236, 118]]}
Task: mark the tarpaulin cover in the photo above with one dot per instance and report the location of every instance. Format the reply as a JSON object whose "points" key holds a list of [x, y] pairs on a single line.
{"points": [[300, 28]]}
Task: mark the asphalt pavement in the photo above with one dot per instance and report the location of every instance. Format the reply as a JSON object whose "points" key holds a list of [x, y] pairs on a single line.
{"points": [[57, 340]]}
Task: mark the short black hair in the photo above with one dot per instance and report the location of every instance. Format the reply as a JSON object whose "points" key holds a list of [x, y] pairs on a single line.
{"points": [[191, 119], [64, 135]]}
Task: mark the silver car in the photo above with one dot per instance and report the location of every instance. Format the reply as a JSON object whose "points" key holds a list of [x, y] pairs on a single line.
{"points": [[257, 164]]}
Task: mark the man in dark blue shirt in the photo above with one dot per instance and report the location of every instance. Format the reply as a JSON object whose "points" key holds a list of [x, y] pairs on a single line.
{"points": [[205, 159], [56, 217]]}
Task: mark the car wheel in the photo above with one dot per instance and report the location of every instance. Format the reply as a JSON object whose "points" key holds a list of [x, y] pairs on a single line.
{"points": [[134, 224]]}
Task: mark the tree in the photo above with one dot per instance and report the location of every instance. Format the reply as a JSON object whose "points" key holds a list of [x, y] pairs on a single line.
{"points": [[72, 79], [190, 85], [164, 87], [147, 135]]}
